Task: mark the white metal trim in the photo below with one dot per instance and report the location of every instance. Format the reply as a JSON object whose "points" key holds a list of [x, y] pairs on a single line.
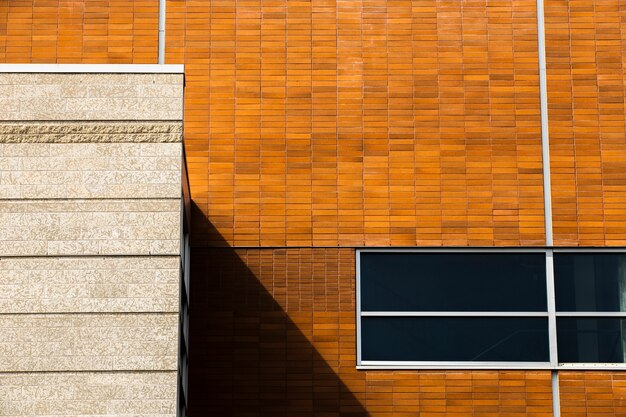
{"points": [[485, 249], [161, 48], [590, 250], [454, 314], [605, 314], [497, 249], [369, 365], [358, 308], [452, 365], [552, 333], [588, 366], [556, 396], [93, 68], [545, 133]]}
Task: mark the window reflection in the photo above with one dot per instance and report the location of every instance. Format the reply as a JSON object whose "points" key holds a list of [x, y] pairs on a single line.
{"points": [[518, 339], [590, 340], [590, 281]]}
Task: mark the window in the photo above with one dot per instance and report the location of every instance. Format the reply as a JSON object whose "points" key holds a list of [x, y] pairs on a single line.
{"points": [[490, 308], [590, 306]]}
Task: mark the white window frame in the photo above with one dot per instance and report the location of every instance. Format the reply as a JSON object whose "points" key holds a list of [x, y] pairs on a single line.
{"points": [[551, 314]]}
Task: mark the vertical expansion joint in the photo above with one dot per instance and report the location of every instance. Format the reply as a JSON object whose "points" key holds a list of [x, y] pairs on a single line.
{"points": [[161, 52], [550, 289], [547, 200], [556, 398], [545, 136]]}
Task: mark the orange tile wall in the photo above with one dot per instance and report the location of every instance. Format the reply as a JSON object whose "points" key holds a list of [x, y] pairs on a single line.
{"points": [[362, 122], [383, 122], [592, 394], [89, 31], [586, 59], [277, 338]]}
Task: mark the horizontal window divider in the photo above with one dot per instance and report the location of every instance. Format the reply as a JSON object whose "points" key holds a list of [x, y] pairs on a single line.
{"points": [[583, 314], [590, 250], [586, 366], [494, 249], [485, 249], [371, 365], [454, 314], [452, 365]]}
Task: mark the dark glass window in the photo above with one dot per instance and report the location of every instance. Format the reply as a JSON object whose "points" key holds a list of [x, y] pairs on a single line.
{"points": [[590, 281], [519, 339], [453, 281], [591, 340], [425, 307]]}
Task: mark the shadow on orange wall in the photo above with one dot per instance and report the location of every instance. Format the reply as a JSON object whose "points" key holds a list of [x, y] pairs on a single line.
{"points": [[248, 356]]}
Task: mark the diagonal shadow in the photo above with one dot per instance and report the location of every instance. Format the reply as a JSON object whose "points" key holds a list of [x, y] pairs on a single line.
{"points": [[247, 357]]}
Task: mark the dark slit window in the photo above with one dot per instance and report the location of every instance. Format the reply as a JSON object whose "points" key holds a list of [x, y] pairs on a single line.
{"points": [[453, 307], [589, 340], [532, 308], [590, 281], [590, 292], [453, 281], [471, 339]]}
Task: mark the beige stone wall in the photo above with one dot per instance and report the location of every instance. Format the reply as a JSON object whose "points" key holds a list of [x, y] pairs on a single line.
{"points": [[90, 227], [67, 96], [88, 342], [89, 284], [146, 394], [89, 169], [90, 243]]}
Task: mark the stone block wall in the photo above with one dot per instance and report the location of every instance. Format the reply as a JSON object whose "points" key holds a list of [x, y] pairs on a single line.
{"points": [[90, 243]]}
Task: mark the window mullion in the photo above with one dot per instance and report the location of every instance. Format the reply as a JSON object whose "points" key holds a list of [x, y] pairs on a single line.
{"points": [[554, 359], [582, 314]]}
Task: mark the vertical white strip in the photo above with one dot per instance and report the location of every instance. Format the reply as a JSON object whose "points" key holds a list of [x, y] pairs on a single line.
{"points": [[554, 360], [358, 307], [556, 399], [554, 355], [161, 57], [545, 136], [547, 203]]}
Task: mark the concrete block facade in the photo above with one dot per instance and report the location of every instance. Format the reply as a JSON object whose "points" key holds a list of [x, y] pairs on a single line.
{"points": [[90, 243]]}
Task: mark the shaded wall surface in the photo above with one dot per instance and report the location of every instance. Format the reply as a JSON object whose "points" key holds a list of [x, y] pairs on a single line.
{"points": [[363, 123], [276, 337]]}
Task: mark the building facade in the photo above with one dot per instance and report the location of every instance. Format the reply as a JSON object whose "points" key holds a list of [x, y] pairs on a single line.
{"points": [[316, 131]]}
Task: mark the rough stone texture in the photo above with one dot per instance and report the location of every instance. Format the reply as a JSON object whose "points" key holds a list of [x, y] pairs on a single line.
{"points": [[135, 131], [89, 284], [146, 394], [90, 227], [77, 342], [90, 170], [66, 96]]}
